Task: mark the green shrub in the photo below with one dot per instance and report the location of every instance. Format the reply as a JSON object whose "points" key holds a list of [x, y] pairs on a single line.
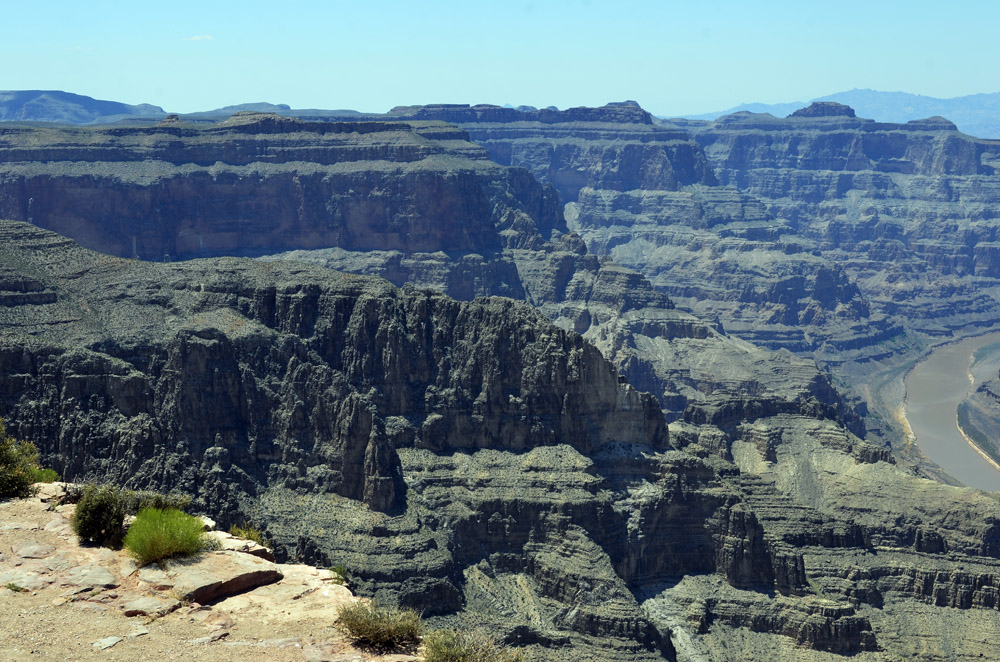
{"points": [[100, 516], [248, 532], [475, 646], [382, 628], [44, 476], [101, 511], [137, 501], [339, 574], [158, 534], [18, 464]]}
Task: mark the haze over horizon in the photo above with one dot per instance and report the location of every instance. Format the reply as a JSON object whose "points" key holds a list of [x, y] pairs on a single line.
{"points": [[673, 58]]}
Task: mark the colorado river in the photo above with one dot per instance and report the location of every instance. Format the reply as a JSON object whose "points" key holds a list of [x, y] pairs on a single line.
{"points": [[934, 388]]}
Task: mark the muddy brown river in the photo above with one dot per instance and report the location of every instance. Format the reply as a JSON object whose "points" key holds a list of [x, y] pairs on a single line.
{"points": [[934, 389]]}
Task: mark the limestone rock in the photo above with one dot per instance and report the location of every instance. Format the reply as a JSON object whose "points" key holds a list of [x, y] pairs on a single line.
{"points": [[824, 109], [217, 575], [156, 579], [107, 642], [473, 458], [149, 606], [232, 543], [33, 550], [90, 576]]}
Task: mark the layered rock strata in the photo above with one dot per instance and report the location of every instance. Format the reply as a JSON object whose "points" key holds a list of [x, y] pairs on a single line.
{"points": [[646, 194], [416, 203], [837, 237], [477, 461]]}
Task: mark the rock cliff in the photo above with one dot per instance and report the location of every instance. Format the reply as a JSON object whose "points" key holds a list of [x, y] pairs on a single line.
{"points": [[647, 195], [415, 202], [836, 237], [476, 460]]}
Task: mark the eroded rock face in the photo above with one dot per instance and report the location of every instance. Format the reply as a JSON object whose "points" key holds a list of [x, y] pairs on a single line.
{"points": [[260, 386], [832, 236], [414, 202], [647, 196], [259, 183]]}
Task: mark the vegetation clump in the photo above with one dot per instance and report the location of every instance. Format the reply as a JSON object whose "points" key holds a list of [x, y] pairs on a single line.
{"points": [[18, 466], [159, 534], [137, 501], [378, 627], [101, 511], [44, 476], [339, 574], [248, 532], [100, 516], [475, 646]]}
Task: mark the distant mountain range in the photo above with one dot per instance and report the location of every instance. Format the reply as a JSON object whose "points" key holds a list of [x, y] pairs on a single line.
{"points": [[68, 108], [976, 114]]}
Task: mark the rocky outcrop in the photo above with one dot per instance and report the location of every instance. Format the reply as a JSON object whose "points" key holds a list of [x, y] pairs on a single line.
{"points": [[622, 112], [978, 417], [824, 109], [279, 611], [476, 459], [277, 380], [171, 191]]}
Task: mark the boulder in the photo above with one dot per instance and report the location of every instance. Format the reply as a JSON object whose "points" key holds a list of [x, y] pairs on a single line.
{"points": [[216, 575]]}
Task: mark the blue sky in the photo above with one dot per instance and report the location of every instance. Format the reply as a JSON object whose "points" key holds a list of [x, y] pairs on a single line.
{"points": [[672, 57]]}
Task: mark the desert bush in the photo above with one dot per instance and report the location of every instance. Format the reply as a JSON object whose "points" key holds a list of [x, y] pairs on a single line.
{"points": [[100, 516], [475, 646], [18, 464], [139, 500], [378, 627], [158, 534], [44, 476], [248, 532], [339, 574], [101, 511]]}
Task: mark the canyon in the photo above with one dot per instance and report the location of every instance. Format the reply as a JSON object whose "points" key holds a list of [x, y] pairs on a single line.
{"points": [[853, 242], [600, 383]]}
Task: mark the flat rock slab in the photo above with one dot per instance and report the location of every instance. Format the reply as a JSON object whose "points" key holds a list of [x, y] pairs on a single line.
{"points": [[304, 594], [102, 555], [59, 526], [31, 581], [150, 606], [217, 575], [234, 544], [20, 526], [156, 578], [60, 561], [106, 643], [91, 576], [33, 550]]}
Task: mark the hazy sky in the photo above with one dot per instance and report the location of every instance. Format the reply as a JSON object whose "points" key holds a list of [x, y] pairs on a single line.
{"points": [[672, 57]]}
